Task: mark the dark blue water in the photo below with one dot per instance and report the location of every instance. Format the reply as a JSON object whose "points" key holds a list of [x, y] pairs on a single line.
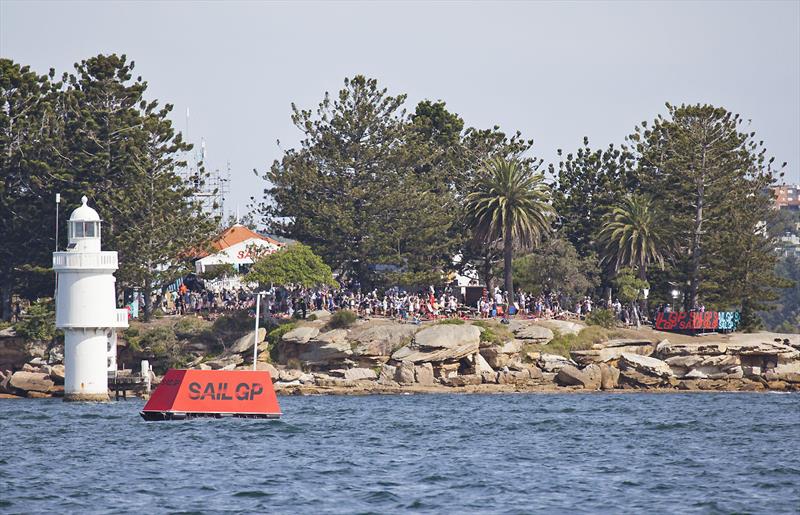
{"points": [[635, 453]]}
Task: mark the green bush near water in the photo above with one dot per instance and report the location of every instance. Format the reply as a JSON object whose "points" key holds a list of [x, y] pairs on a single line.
{"points": [[562, 344]]}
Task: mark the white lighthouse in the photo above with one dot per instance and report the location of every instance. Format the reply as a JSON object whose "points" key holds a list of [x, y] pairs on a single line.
{"points": [[86, 308]]}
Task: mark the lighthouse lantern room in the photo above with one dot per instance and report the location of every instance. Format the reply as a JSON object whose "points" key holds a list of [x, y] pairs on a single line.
{"points": [[86, 308]]}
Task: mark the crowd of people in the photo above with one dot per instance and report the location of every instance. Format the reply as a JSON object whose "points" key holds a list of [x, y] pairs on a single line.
{"points": [[396, 303]]}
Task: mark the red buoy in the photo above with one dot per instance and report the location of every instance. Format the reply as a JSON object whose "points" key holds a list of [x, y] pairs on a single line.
{"points": [[186, 394]]}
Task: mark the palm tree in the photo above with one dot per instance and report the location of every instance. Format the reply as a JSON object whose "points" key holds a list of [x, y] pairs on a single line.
{"points": [[510, 201], [630, 237]]}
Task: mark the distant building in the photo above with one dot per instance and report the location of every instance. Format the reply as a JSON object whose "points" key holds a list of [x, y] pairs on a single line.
{"points": [[236, 246], [787, 196], [789, 245]]}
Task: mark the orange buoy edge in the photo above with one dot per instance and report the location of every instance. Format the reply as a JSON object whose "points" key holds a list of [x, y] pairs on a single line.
{"points": [[186, 394]]}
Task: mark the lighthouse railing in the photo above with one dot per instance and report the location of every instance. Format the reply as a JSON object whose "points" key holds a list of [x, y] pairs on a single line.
{"points": [[105, 259]]}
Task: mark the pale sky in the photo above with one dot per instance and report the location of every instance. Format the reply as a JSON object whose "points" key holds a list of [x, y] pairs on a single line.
{"points": [[556, 71]]}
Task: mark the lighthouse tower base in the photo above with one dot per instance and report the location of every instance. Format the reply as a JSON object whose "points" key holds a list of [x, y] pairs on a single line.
{"points": [[85, 361]]}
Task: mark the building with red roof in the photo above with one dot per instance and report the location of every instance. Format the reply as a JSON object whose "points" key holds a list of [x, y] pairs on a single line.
{"points": [[236, 246]]}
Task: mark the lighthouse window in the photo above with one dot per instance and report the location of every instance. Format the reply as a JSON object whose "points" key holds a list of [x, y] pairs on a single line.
{"points": [[78, 229], [89, 229]]}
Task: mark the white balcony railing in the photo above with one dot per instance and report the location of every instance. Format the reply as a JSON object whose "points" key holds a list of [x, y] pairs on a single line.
{"points": [[102, 260], [122, 318]]}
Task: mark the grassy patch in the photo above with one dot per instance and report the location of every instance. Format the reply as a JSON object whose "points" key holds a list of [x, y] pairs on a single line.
{"points": [[562, 344], [189, 327], [493, 332], [451, 321]]}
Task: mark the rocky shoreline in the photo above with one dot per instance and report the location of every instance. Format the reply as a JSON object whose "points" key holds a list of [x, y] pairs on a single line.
{"points": [[381, 356]]}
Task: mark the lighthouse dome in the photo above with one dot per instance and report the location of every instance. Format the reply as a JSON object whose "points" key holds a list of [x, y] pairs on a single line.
{"points": [[85, 213]]}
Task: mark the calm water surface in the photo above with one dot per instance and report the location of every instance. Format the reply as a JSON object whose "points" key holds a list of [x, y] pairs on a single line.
{"points": [[592, 453]]}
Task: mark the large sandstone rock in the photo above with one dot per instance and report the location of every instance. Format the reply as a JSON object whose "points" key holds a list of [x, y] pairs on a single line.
{"points": [[273, 372], [496, 359], [447, 336], [481, 365], [513, 377], [31, 382], [360, 374], [466, 380], [562, 326], [381, 339], [533, 332], [646, 364], [782, 352], [57, 374], [423, 374], [320, 314], [609, 376], [612, 350], [786, 372], [666, 349], [300, 335], [589, 378], [644, 371], [318, 353], [553, 362], [245, 343], [718, 366], [441, 343], [404, 373], [228, 362], [387, 375]]}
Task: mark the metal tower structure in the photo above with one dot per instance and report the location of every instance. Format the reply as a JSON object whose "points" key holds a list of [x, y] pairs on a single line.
{"points": [[210, 185]]}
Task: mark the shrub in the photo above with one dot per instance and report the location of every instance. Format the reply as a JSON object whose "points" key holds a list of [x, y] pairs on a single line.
{"points": [[276, 334], [39, 323], [451, 321], [190, 326], [237, 322], [132, 336], [493, 333], [562, 344], [602, 317], [341, 319]]}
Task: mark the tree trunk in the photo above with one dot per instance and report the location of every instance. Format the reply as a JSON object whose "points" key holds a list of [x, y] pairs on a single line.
{"points": [[694, 270], [148, 301], [486, 273], [5, 295], [643, 302], [508, 254]]}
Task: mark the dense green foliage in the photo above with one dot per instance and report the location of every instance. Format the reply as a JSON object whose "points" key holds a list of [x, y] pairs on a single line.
{"points": [[602, 317], [556, 267], [93, 132], [39, 322], [274, 336], [293, 265], [562, 344], [509, 202], [493, 332], [342, 319], [786, 317]]}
